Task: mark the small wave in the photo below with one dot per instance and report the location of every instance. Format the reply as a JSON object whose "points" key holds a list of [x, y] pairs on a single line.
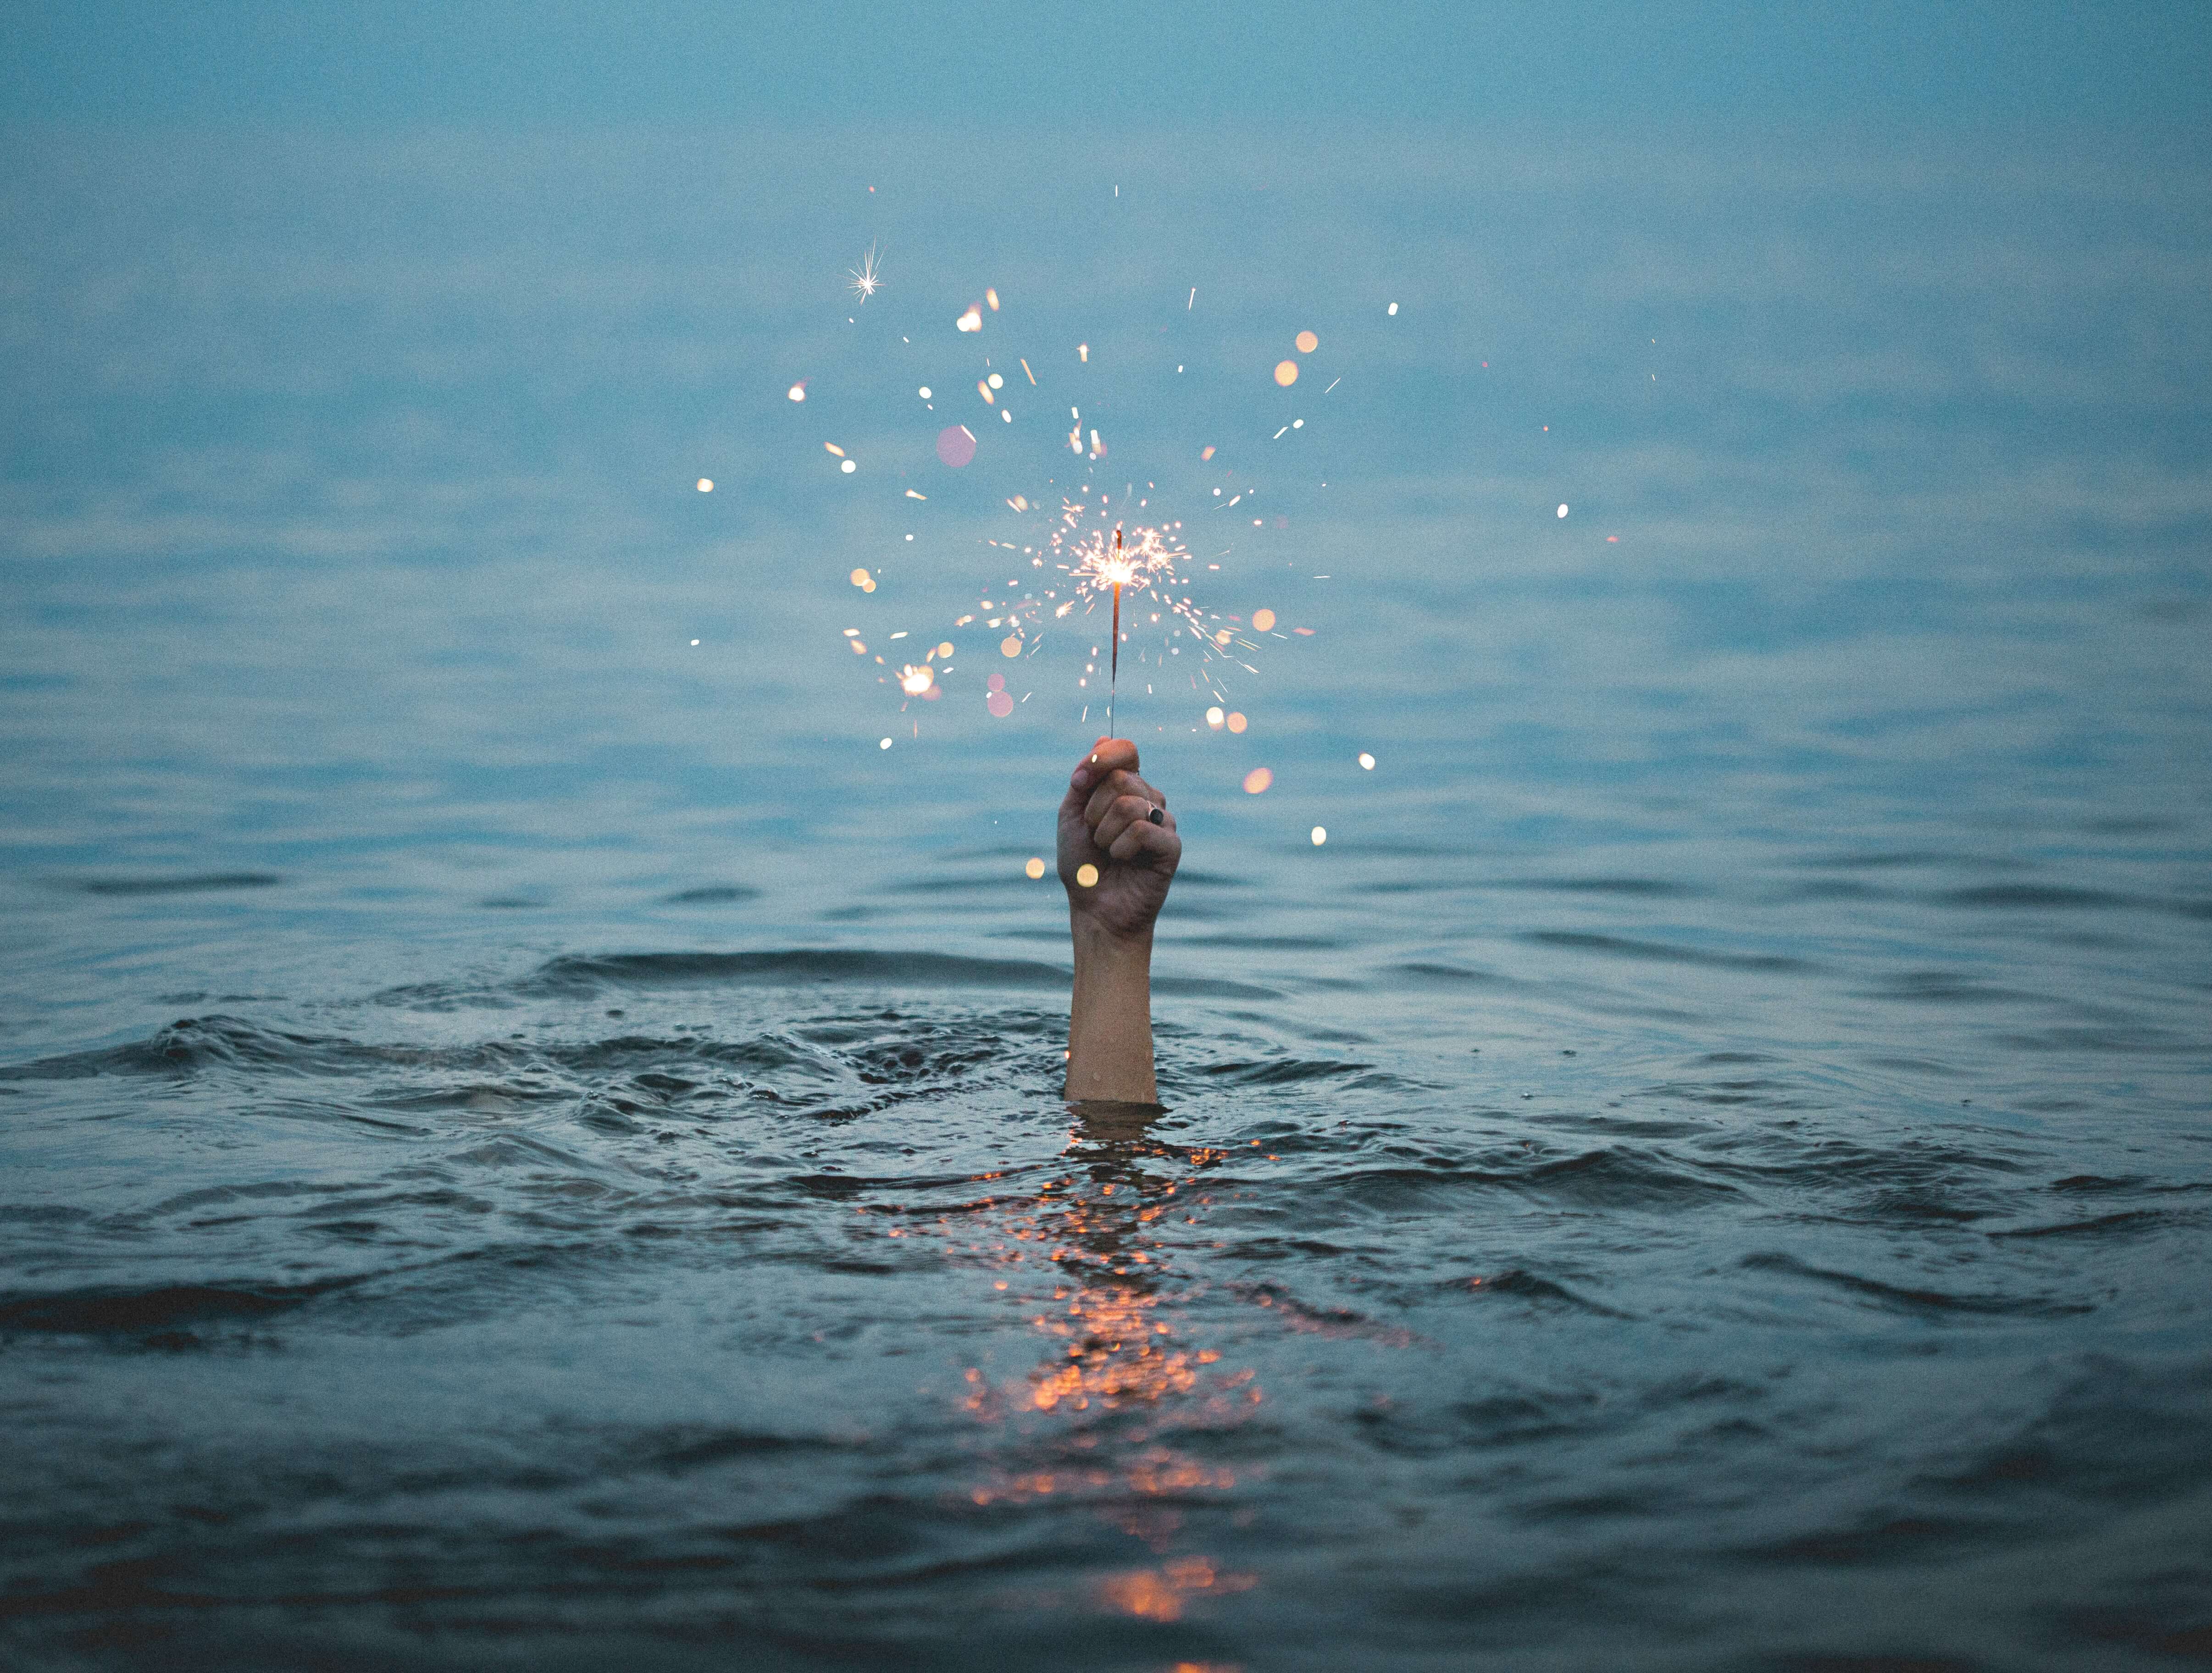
{"points": [[2032, 895], [195, 884], [1653, 887], [1898, 1539], [1444, 976], [580, 975], [1617, 1178], [1916, 1301], [718, 894], [1877, 860], [166, 1311], [1943, 987], [1525, 1286], [1280, 1071], [2133, 1219], [192, 1043], [1619, 946]]}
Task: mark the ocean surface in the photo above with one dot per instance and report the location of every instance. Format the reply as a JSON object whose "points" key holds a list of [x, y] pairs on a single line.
{"points": [[529, 1131]]}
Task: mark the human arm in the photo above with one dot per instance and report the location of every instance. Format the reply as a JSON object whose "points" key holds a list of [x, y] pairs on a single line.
{"points": [[1108, 828]]}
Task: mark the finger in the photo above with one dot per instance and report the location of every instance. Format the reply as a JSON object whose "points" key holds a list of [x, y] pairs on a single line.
{"points": [[1125, 812], [1119, 785], [1157, 844], [1108, 755]]}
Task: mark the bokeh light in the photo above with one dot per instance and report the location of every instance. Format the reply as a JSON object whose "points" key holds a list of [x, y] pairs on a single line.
{"points": [[1366, 761], [956, 444], [1320, 835], [1263, 620], [858, 577], [1308, 342], [1213, 718], [1087, 876], [848, 467], [1237, 721], [1287, 373], [1257, 780], [1010, 645], [1035, 869], [706, 485]]}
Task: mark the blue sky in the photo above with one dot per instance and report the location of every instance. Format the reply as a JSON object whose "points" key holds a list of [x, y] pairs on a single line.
{"points": [[990, 63]]}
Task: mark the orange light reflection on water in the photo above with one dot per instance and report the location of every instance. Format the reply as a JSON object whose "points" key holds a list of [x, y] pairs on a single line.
{"points": [[1087, 1255]]}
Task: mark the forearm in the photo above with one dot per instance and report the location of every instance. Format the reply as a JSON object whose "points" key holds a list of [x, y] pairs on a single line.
{"points": [[1110, 1023]]}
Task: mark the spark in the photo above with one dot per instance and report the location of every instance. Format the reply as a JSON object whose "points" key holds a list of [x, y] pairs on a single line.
{"points": [[866, 279]]}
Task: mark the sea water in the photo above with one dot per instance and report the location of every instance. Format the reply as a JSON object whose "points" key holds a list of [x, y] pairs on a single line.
{"points": [[531, 1135]]}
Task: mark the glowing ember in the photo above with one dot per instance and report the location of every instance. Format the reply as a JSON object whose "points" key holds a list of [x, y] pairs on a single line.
{"points": [[1257, 781], [1263, 620], [865, 279], [1213, 718], [1035, 869], [706, 485], [917, 682], [1563, 511], [1319, 835], [1308, 342], [971, 321], [1366, 761], [798, 391], [1287, 373]]}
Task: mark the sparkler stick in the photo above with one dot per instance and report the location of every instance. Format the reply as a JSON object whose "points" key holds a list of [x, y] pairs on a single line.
{"points": [[1114, 675]]}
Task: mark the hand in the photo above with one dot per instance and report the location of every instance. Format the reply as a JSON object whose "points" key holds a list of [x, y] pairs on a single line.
{"points": [[1112, 819]]}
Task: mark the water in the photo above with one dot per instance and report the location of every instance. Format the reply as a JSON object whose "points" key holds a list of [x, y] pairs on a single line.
{"points": [[531, 1141]]}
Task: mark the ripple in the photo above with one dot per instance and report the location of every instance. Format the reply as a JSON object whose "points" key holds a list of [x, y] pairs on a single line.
{"points": [[1928, 1301], [1617, 946], [200, 883]]}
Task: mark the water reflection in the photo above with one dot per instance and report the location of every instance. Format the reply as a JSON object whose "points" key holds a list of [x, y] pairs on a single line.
{"points": [[1091, 1251]]}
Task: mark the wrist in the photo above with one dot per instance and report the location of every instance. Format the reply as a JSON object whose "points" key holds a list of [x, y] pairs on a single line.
{"points": [[1097, 942]]}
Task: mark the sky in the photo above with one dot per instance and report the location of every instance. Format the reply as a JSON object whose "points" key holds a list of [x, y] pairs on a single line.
{"points": [[1164, 63]]}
